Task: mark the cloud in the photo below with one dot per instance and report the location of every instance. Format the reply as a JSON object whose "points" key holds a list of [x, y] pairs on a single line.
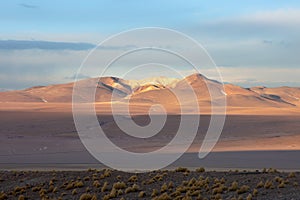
{"points": [[257, 39], [268, 42], [266, 76], [30, 6], [280, 17], [44, 45], [79, 76], [53, 45]]}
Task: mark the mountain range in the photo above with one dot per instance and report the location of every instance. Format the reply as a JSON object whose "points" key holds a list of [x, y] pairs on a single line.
{"points": [[159, 90]]}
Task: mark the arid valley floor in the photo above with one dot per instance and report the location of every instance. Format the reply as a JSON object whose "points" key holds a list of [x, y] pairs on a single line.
{"points": [[261, 130]]}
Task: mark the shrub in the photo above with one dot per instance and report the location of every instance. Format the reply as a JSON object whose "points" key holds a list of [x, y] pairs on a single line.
{"points": [[36, 189], [217, 190], [120, 192], [119, 185], [88, 196], [272, 170], [171, 185], [104, 187], [222, 180], [63, 194], [74, 192], [268, 184], [195, 193], [176, 193], [218, 197], [51, 182], [233, 187], [54, 190], [142, 194], [281, 185], [278, 179], [164, 196], [51, 188], [291, 175], [96, 184], [187, 198], [70, 186], [243, 189], [134, 188], [3, 196], [79, 184], [295, 184], [85, 196], [133, 178], [255, 192], [154, 193], [164, 188], [42, 192], [249, 197], [113, 193], [260, 184], [21, 197], [182, 169], [107, 173], [94, 197], [200, 170]]}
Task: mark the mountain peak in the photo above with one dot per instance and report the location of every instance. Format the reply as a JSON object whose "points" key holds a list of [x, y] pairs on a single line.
{"points": [[149, 87]]}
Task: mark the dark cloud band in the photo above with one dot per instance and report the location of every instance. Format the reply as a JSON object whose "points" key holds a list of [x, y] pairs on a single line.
{"points": [[44, 45]]}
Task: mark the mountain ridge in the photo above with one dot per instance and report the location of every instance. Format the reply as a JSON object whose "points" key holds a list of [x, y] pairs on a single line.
{"points": [[159, 89]]}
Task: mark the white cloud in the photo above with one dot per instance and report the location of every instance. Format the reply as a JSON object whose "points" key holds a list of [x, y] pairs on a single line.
{"points": [[282, 17], [249, 76]]}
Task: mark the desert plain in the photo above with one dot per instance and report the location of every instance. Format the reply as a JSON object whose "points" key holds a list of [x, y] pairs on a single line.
{"points": [[261, 130]]}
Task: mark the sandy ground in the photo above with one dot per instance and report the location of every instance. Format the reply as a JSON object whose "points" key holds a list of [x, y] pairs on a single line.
{"points": [[44, 135]]}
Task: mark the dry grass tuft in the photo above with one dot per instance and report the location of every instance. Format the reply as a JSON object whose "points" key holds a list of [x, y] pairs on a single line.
{"points": [[268, 185], [182, 169], [74, 192], [96, 184], [260, 184], [163, 196], [164, 188], [292, 175], [79, 184], [154, 193], [119, 185], [200, 170], [142, 194], [21, 197], [104, 187], [133, 178], [234, 186], [243, 189], [134, 188], [249, 197], [255, 192]]}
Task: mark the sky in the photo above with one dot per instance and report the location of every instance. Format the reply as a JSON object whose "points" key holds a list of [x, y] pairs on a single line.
{"points": [[252, 42]]}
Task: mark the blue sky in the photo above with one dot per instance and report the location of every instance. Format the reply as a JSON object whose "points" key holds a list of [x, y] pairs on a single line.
{"points": [[253, 42]]}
